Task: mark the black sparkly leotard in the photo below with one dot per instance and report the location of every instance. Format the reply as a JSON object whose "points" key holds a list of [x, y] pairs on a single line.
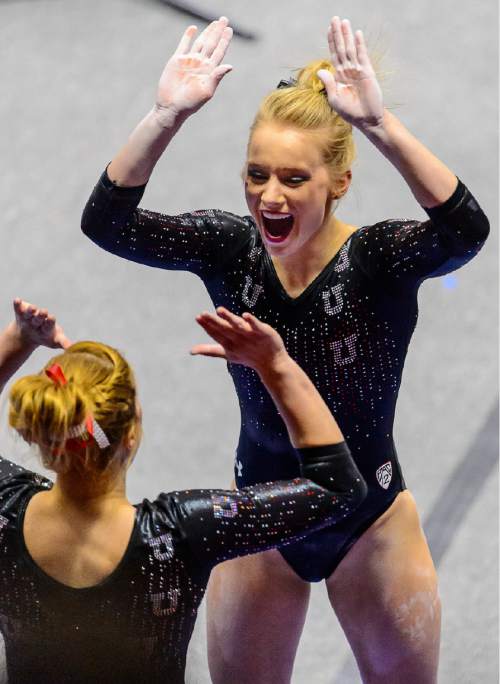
{"points": [[135, 626], [349, 330]]}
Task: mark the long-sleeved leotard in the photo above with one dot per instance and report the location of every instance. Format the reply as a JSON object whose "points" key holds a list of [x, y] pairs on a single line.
{"points": [[135, 626], [349, 330]]}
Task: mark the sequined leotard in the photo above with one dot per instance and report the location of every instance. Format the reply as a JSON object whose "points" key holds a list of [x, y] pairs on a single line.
{"points": [[349, 330], [135, 626]]}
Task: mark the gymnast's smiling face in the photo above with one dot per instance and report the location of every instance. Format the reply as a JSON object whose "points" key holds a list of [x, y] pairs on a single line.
{"points": [[288, 187]]}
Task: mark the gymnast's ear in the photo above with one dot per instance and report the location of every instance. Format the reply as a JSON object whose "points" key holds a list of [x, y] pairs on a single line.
{"points": [[132, 438], [341, 185]]}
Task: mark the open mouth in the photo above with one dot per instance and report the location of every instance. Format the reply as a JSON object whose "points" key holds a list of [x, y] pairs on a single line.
{"points": [[277, 227]]}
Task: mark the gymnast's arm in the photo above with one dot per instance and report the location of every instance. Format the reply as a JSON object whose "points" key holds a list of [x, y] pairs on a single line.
{"points": [[189, 80], [32, 327], [246, 340], [192, 242], [410, 251], [355, 94], [200, 242], [458, 227], [222, 524]]}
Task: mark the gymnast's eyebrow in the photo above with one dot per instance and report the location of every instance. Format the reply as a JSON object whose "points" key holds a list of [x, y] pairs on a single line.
{"points": [[280, 169]]}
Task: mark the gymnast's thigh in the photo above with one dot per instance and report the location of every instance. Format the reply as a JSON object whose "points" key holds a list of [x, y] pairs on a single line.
{"points": [[256, 608], [385, 595]]}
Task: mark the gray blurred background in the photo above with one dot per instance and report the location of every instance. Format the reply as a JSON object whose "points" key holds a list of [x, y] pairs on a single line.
{"points": [[77, 75]]}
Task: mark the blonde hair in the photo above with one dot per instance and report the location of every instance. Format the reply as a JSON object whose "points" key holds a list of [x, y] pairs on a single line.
{"points": [[305, 106], [100, 383]]}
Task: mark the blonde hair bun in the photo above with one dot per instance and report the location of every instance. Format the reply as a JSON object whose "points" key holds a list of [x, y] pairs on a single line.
{"points": [[100, 383], [307, 77]]}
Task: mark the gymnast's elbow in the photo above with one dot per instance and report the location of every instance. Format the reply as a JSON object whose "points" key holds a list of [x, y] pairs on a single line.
{"points": [[98, 226], [90, 223]]}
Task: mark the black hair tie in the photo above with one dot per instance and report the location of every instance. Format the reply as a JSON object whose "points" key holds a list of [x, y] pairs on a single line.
{"points": [[287, 84], [292, 82]]}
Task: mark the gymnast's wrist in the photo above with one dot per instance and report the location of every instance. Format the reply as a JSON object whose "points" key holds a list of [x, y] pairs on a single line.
{"points": [[167, 119], [16, 340], [384, 132], [272, 369]]}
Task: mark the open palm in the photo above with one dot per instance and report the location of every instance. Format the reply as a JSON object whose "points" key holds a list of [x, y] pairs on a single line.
{"points": [[194, 71], [353, 91], [240, 339]]}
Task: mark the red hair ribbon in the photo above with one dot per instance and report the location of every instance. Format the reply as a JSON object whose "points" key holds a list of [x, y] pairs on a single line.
{"points": [[56, 374], [90, 428]]}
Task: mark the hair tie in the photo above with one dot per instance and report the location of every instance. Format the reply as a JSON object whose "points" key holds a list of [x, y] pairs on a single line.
{"points": [[291, 83], [90, 427]]}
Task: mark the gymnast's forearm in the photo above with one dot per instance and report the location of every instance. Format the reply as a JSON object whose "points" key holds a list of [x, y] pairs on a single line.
{"points": [[189, 80], [14, 350], [223, 524], [135, 162], [308, 419], [428, 178]]}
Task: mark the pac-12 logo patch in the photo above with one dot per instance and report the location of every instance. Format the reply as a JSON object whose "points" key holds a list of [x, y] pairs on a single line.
{"points": [[384, 475]]}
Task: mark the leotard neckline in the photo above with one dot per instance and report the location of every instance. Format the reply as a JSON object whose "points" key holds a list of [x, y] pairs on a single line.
{"points": [[28, 558], [325, 271]]}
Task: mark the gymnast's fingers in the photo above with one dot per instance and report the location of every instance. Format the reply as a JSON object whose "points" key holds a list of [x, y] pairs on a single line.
{"points": [[235, 321], [254, 322], [17, 303], [213, 321], [40, 317], [350, 48], [361, 50], [214, 38], [205, 37], [185, 41], [23, 309], [215, 350], [216, 330], [221, 49], [338, 41], [48, 324]]}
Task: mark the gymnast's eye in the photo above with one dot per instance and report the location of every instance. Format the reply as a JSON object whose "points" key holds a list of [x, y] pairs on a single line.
{"points": [[256, 175], [296, 180]]}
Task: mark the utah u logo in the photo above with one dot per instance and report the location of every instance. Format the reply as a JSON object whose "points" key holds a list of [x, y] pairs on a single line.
{"points": [[224, 507], [343, 260], [251, 299], [344, 351], [165, 603], [335, 307], [162, 546]]}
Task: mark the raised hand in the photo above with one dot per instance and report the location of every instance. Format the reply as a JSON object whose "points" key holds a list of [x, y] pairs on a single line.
{"points": [[246, 340], [241, 339], [193, 73], [353, 91], [37, 327]]}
